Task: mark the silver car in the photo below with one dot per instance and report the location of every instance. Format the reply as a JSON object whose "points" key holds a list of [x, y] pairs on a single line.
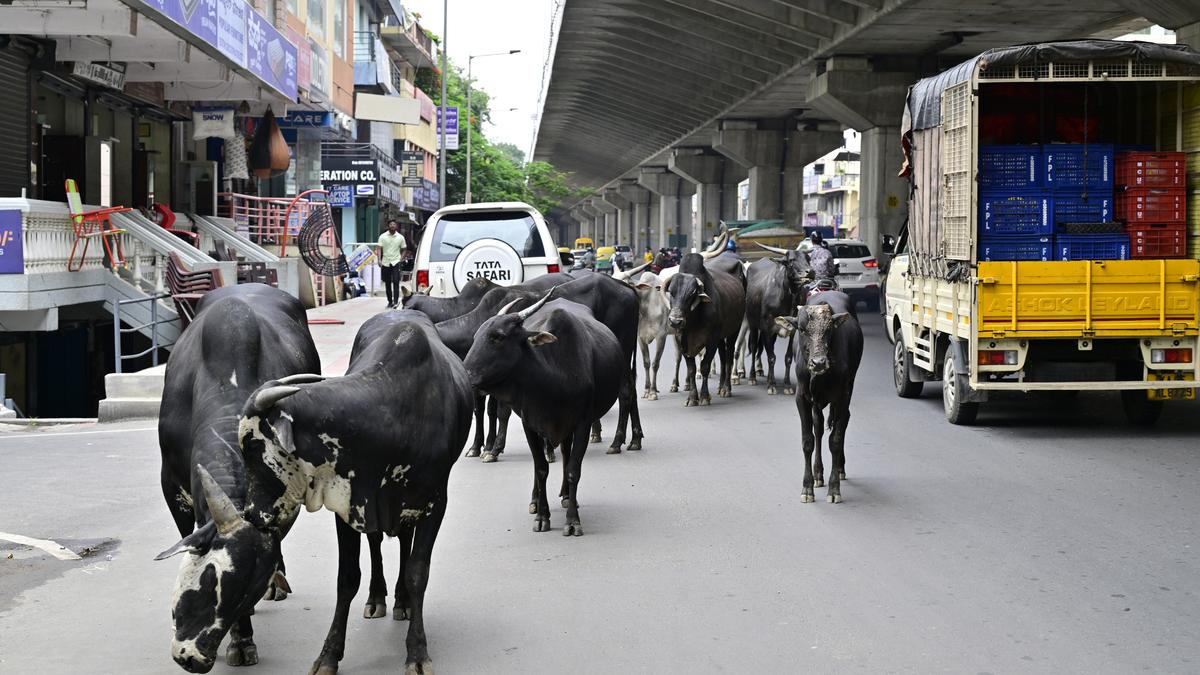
{"points": [[857, 269]]}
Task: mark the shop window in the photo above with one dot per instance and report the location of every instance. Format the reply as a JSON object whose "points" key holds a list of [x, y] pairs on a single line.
{"points": [[339, 28], [316, 19]]}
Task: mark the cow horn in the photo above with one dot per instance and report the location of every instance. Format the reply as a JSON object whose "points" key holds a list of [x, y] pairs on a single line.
{"points": [[528, 311], [774, 249], [504, 309], [220, 507], [718, 246], [302, 378], [625, 276], [266, 399]]}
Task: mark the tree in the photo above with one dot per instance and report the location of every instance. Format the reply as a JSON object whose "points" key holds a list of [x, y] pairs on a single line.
{"points": [[513, 152]]}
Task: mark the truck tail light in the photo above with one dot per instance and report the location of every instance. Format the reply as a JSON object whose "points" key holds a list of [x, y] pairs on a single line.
{"points": [[1179, 355], [422, 279], [551, 269], [997, 357], [870, 263]]}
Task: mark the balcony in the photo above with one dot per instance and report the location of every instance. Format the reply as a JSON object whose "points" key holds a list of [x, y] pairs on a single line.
{"points": [[373, 68], [408, 40], [837, 183]]}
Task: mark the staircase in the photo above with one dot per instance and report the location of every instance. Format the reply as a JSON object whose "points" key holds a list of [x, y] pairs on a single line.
{"points": [[132, 395]]}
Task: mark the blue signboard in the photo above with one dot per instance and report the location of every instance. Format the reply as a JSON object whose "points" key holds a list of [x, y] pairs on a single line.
{"points": [[307, 118], [12, 253], [340, 195], [451, 128], [428, 197]]}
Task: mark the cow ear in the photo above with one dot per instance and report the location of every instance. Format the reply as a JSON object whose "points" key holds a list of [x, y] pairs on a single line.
{"points": [[642, 286], [541, 338], [703, 297], [197, 542], [405, 293], [786, 324], [840, 318]]}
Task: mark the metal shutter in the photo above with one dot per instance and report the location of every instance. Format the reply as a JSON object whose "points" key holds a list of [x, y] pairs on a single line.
{"points": [[14, 122]]}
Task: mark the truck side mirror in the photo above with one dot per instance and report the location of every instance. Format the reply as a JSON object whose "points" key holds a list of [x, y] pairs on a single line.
{"points": [[888, 243]]}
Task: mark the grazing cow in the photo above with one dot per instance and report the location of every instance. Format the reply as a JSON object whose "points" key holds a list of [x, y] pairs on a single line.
{"points": [[375, 447], [773, 287], [241, 337], [828, 343], [559, 369], [653, 307], [707, 306], [440, 309]]}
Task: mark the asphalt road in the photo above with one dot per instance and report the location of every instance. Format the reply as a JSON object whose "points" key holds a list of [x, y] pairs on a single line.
{"points": [[1049, 538]]}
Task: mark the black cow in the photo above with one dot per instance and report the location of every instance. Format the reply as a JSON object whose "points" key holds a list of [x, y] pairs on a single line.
{"points": [[241, 337], [773, 287], [440, 309], [375, 447], [708, 301], [828, 343], [559, 369]]}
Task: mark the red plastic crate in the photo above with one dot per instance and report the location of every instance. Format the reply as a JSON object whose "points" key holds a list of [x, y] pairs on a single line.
{"points": [[1158, 241], [1152, 205], [1151, 169]]}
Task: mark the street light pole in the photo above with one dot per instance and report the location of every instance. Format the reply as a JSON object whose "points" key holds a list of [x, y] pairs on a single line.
{"points": [[470, 60]]}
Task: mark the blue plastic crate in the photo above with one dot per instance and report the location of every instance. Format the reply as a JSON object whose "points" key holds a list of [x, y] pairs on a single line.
{"points": [[1010, 167], [1015, 213], [1093, 207], [1091, 247], [1067, 169], [1016, 248]]}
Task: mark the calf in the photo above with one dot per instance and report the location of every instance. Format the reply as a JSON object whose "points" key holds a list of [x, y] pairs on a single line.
{"points": [[707, 305], [559, 369], [828, 345], [241, 337], [773, 287], [653, 308]]}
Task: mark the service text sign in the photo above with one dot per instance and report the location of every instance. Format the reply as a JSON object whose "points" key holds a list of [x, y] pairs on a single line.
{"points": [[12, 252]]}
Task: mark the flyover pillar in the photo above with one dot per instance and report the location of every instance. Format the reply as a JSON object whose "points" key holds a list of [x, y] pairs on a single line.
{"points": [[703, 169], [734, 174], [1189, 35], [583, 221], [624, 207], [639, 200], [608, 215], [674, 210], [760, 152], [871, 102], [595, 221]]}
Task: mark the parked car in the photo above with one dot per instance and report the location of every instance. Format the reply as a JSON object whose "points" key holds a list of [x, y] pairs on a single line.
{"points": [[507, 242]]}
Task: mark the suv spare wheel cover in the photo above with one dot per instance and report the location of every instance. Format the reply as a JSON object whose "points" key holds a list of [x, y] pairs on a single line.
{"points": [[491, 259]]}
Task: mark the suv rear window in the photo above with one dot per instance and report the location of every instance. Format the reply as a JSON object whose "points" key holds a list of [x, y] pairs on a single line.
{"points": [[850, 251], [456, 230]]}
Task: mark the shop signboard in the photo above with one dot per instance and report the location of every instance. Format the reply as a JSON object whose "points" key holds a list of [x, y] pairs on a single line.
{"points": [[12, 253], [412, 168], [340, 195], [231, 29], [268, 55], [303, 58], [307, 118], [451, 128], [359, 174], [359, 259], [110, 75], [428, 197]]}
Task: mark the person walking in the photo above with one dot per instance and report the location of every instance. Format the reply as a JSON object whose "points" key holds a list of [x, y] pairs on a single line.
{"points": [[390, 251]]}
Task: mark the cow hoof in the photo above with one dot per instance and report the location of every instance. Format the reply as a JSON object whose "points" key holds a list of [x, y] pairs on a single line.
{"points": [[841, 475], [674, 388], [687, 387], [807, 498], [242, 653], [566, 502], [541, 524], [818, 482], [771, 391], [401, 612], [759, 372], [635, 445], [595, 438], [532, 508], [705, 400], [573, 530], [724, 392], [550, 457], [488, 457], [375, 609], [690, 402], [791, 391], [473, 452], [835, 499], [753, 382], [652, 396], [423, 668], [614, 450], [734, 380]]}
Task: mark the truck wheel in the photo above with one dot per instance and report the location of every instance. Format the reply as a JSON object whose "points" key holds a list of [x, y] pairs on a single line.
{"points": [[1139, 409], [901, 367], [958, 410]]}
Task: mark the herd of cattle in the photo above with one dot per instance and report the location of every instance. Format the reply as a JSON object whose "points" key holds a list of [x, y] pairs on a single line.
{"points": [[249, 432]]}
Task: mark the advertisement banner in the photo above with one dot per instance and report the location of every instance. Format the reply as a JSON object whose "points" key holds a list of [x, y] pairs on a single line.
{"points": [[12, 253], [451, 128], [231, 29], [267, 54], [359, 259], [303, 58], [412, 168], [212, 123], [428, 197], [340, 195]]}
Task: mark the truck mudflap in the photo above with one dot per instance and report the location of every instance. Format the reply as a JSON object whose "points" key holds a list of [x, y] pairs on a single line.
{"points": [[1088, 299]]}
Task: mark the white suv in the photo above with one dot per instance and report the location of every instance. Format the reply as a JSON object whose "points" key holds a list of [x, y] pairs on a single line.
{"points": [[507, 242], [857, 269]]}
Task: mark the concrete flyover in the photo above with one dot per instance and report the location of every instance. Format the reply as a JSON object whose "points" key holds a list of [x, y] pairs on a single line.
{"points": [[713, 91]]}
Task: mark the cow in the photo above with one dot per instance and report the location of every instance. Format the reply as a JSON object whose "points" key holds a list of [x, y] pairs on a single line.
{"points": [[653, 307], [707, 306], [440, 309], [241, 337], [828, 343], [559, 368], [773, 287]]}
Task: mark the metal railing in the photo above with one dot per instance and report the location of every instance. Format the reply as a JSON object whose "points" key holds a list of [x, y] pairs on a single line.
{"points": [[364, 46], [119, 357]]}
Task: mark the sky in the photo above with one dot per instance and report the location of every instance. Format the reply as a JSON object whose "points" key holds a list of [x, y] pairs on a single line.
{"points": [[513, 81]]}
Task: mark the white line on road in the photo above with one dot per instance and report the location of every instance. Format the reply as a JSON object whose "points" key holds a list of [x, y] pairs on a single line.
{"points": [[52, 547], [49, 434]]}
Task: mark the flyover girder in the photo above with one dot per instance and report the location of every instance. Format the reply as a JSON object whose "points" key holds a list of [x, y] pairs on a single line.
{"points": [[764, 45], [635, 78], [679, 55], [660, 114], [671, 12], [838, 11], [636, 60], [763, 16], [662, 90], [703, 51]]}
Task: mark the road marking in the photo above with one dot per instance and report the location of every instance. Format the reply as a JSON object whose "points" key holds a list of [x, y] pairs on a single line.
{"points": [[52, 547], [46, 434]]}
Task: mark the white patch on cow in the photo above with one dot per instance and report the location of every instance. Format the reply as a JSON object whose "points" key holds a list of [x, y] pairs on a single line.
{"points": [[188, 579], [233, 378], [411, 515], [358, 517], [184, 498], [287, 415], [398, 474], [350, 474], [332, 444]]}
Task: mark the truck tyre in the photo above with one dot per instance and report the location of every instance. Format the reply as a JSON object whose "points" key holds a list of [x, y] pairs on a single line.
{"points": [[1139, 409], [901, 367], [958, 410]]}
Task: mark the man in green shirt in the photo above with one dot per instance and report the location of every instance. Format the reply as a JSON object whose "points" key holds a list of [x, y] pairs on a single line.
{"points": [[390, 251]]}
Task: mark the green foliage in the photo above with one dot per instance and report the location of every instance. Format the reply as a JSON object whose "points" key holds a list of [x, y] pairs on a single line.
{"points": [[513, 152]]}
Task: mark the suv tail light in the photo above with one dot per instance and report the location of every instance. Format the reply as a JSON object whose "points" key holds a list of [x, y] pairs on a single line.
{"points": [[551, 269], [870, 262], [422, 279], [1182, 355]]}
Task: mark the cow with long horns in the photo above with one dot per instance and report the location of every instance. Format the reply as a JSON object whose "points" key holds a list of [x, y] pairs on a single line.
{"points": [[560, 369], [773, 287], [241, 337], [707, 305]]}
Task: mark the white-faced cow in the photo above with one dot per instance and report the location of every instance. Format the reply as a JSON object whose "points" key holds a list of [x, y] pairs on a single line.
{"points": [[773, 287], [241, 337], [828, 344], [653, 307], [707, 306], [560, 369]]}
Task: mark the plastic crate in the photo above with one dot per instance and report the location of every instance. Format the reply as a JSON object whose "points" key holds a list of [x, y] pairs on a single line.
{"points": [[1015, 213], [1078, 166], [1093, 207], [1010, 167], [1152, 205], [1158, 241], [1090, 228], [1152, 169], [1016, 248], [1091, 247]]}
